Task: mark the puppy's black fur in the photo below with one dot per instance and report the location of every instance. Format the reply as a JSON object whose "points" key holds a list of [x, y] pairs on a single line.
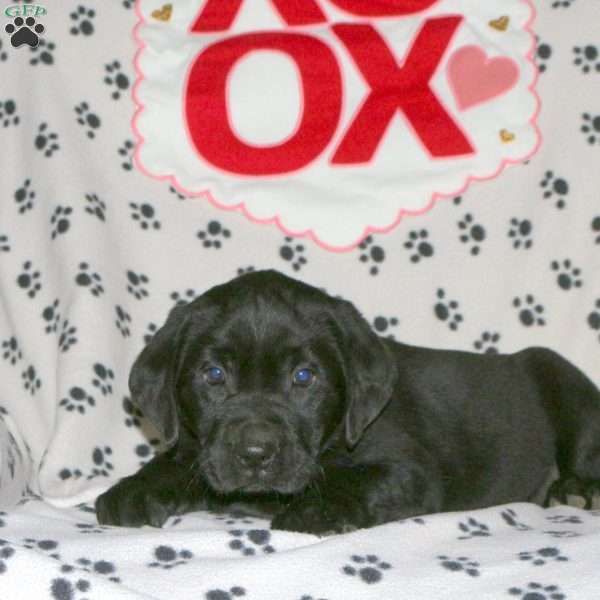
{"points": [[273, 394]]}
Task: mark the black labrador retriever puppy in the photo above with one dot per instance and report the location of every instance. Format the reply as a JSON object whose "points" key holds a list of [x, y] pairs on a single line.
{"points": [[275, 397]]}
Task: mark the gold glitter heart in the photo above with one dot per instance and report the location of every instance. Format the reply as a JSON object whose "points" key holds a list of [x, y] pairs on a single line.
{"points": [[500, 24], [164, 13], [506, 136]]}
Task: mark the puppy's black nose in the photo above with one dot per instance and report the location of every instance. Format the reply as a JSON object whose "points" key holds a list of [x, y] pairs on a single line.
{"points": [[257, 447]]}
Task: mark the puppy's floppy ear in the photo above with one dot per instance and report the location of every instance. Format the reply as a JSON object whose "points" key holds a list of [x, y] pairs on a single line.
{"points": [[369, 369], [153, 376]]}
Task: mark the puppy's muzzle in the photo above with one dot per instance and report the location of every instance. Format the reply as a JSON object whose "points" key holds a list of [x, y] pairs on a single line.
{"points": [[255, 445]]}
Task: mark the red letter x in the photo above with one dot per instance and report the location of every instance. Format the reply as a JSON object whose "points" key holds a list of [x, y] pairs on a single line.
{"points": [[405, 88]]}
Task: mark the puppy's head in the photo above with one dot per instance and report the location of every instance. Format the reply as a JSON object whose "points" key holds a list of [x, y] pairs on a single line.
{"points": [[258, 376]]}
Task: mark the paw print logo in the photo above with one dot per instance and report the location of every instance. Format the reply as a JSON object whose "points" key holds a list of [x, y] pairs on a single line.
{"points": [[293, 253], [77, 400], [473, 233], [368, 568], [60, 220], [29, 280], [234, 592], [212, 235], [370, 252], [555, 188], [31, 382], [103, 378], [542, 556], [249, 541], [134, 414], [520, 233], [88, 119], [593, 319], [126, 152], [8, 117], [587, 58], [472, 528], [123, 321], [487, 343], [167, 557], [591, 128], [543, 54], [529, 311], [135, 285], [447, 310], [24, 32], [537, 591], [383, 325], [510, 517], [42, 53], [145, 215], [89, 279], [462, 564], [82, 21], [11, 351], [116, 79], [95, 206], [46, 141], [25, 196], [418, 243], [51, 315], [567, 275]]}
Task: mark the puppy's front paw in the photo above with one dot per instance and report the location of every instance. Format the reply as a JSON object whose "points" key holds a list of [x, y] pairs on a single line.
{"points": [[132, 503], [320, 517]]}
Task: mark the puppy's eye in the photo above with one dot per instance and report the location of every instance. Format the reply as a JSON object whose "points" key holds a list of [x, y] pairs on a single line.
{"points": [[303, 377], [214, 375]]}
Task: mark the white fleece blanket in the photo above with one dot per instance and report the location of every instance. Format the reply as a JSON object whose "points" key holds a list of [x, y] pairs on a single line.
{"points": [[94, 252]]}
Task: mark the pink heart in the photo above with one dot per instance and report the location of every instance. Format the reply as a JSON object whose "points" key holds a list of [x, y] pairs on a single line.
{"points": [[475, 78]]}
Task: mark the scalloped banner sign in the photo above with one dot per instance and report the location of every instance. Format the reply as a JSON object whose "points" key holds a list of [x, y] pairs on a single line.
{"points": [[333, 118]]}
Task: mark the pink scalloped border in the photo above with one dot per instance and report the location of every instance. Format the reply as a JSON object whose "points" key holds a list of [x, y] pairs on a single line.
{"points": [[369, 229]]}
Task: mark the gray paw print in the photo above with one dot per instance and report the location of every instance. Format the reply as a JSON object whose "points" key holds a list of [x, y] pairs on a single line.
{"points": [[383, 325], [542, 556], [181, 298], [4, 243], [8, 108], [510, 517], [77, 400], [520, 233], [29, 280], [258, 538], [369, 568], [126, 151], [591, 128], [145, 215], [568, 276], [134, 414], [587, 58], [24, 197], [51, 315], [123, 321], [473, 528], [89, 279], [31, 382], [11, 351], [543, 53], [46, 141], [60, 220], [66, 337], [593, 319], [86, 118], [529, 311], [447, 310], [418, 243], [293, 253], [135, 283], [461, 564], [537, 591], [116, 79], [473, 233], [169, 558], [555, 188], [42, 53], [212, 236], [95, 206], [487, 342], [234, 592], [371, 253], [82, 21], [103, 378]]}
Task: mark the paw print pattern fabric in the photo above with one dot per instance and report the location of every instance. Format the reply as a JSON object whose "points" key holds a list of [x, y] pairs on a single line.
{"points": [[94, 253]]}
